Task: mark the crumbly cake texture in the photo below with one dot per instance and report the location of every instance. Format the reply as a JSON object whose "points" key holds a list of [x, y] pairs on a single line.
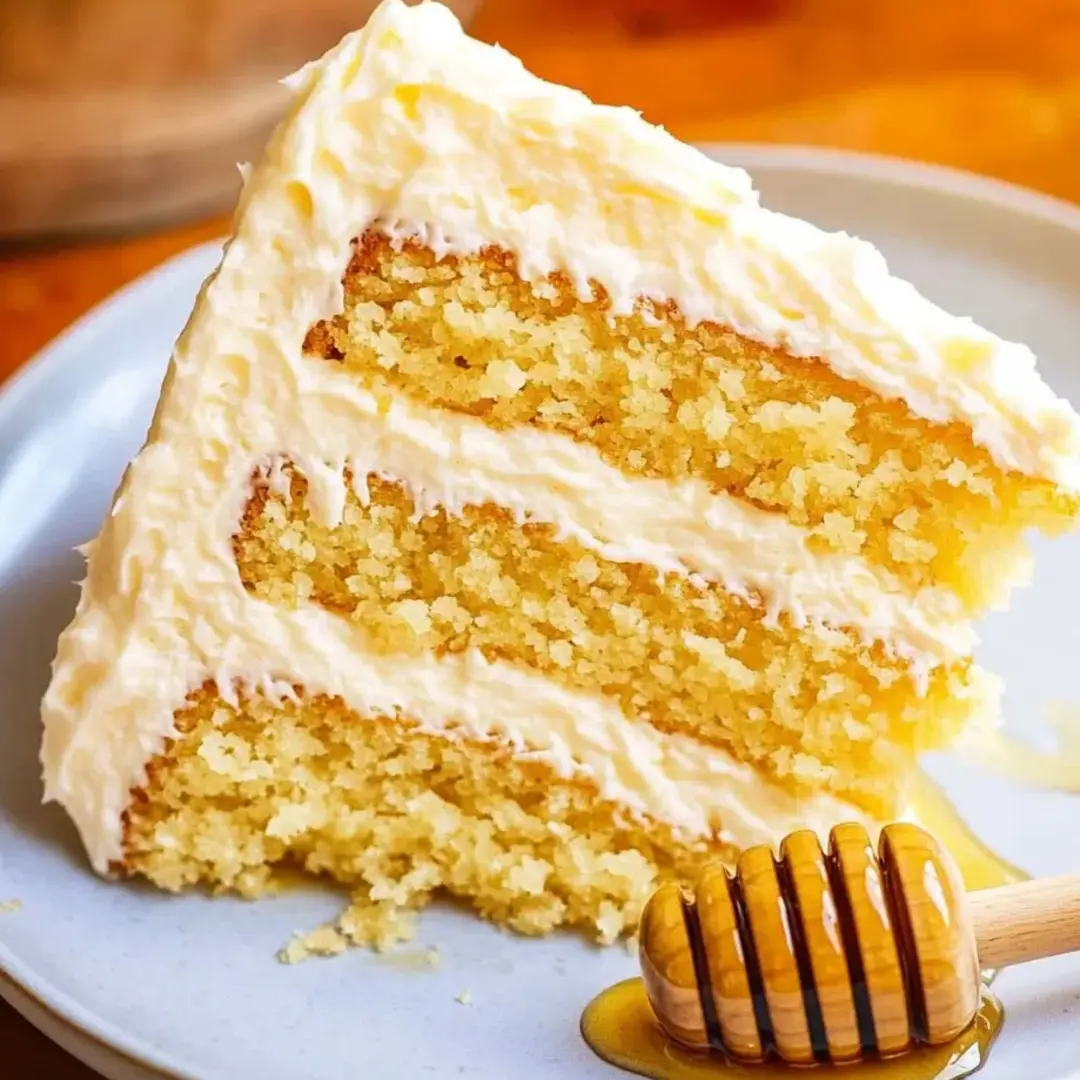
{"points": [[864, 475], [811, 708], [529, 515], [394, 814]]}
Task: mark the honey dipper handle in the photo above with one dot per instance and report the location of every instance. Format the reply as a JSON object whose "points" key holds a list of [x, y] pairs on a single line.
{"points": [[1026, 921]]}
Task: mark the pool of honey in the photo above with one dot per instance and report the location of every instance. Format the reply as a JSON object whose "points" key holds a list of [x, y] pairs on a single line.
{"points": [[621, 1028]]}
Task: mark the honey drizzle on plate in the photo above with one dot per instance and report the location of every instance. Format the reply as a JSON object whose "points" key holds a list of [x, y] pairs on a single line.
{"points": [[620, 1027]]}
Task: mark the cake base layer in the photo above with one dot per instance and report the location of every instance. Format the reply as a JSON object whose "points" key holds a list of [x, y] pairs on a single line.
{"points": [[658, 397], [395, 814]]}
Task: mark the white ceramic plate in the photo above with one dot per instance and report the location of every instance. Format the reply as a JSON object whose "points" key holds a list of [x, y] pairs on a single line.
{"points": [[140, 984]]}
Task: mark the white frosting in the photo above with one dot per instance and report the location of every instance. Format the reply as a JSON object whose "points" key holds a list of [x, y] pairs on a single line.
{"points": [[431, 133], [405, 125]]}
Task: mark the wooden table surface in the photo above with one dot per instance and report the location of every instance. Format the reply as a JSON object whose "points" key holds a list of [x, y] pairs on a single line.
{"points": [[992, 86]]}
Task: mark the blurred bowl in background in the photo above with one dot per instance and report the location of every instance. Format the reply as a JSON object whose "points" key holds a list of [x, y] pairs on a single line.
{"points": [[120, 114]]}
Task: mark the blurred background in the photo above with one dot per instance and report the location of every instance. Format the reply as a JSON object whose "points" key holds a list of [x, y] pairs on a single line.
{"points": [[121, 120], [121, 114]]}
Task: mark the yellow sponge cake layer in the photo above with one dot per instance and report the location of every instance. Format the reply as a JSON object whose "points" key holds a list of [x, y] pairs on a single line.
{"points": [[812, 708], [657, 397], [394, 813]]}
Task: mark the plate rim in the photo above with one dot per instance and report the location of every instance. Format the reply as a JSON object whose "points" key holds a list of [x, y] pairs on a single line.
{"points": [[90, 1048], [20, 984], [901, 172]]}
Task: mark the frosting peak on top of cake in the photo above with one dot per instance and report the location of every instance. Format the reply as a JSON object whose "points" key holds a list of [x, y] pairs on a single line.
{"points": [[457, 143]]}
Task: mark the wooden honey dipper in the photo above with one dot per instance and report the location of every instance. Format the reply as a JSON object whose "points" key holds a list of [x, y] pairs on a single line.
{"points": [[817, 957]]}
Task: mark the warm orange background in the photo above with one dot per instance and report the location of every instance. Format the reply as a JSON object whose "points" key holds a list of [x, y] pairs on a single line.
{"points": [[988, 85]]}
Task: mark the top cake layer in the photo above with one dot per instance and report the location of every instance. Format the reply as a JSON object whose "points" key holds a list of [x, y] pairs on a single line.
{"points": [[430, 126]]}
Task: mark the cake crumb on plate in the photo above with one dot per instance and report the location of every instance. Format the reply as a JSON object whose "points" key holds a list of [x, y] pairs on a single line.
{"points": [[378, 925]]}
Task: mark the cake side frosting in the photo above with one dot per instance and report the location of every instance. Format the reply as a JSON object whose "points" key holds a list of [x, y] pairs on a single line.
{"points": [[456, 143], [163, 608]]}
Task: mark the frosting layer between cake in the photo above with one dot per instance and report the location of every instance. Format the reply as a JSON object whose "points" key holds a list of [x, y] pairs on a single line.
{"points": [[669, 778], [452, 460]]}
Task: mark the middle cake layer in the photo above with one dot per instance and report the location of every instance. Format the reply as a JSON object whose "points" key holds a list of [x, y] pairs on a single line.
{"points": [[812, 706]]}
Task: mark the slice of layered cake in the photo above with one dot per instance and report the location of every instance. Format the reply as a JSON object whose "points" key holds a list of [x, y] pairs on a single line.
{"points": [[528, 513]]}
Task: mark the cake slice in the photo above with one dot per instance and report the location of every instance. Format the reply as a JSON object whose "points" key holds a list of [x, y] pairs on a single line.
{"points": [[528, 514]]}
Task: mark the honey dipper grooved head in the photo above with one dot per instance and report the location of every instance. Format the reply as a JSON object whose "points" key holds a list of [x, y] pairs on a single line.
{"points": [[815, 956]]}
